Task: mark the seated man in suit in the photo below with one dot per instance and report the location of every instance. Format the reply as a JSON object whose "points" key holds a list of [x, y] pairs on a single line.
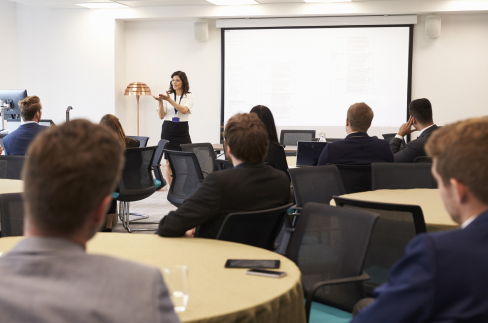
{"points": [[70, 173], [250, 186], [421, 120], [17, 142], [357, 148], [441, 277]]}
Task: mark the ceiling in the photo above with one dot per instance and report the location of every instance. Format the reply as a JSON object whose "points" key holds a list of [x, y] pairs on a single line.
{"points": [[60, 4]]}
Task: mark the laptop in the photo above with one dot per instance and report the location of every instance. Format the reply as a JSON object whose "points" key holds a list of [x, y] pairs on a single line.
{"points": [[308, 152]]}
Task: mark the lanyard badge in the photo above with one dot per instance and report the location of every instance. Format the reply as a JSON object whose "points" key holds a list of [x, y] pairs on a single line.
{"points": [[176, 119]]}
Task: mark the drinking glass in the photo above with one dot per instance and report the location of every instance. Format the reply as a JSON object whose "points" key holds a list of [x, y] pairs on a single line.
{"points": [[176, 278]]}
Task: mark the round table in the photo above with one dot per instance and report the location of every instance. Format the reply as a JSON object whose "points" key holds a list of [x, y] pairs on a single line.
{"points": [[11, 186], [216, 294], [429, 200]]}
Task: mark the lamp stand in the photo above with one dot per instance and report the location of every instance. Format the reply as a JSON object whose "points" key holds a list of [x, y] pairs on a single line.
{"points": [[137, 97]]}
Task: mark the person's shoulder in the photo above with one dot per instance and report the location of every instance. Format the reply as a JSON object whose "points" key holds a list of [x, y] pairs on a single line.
{"points": [[277, 174], [189, 95]]}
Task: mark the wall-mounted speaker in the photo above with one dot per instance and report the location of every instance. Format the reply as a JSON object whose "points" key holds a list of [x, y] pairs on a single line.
{"points": [[433, 27], [201, 30]]}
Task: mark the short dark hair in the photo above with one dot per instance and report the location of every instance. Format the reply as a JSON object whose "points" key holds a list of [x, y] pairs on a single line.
{"points": [[266, 117], [68, 171], [459, 151], [421, 109], [360, 116], [184, 80], [247, 137], [28, 112]]}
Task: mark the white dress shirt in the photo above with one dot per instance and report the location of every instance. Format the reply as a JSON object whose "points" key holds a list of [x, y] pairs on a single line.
{"points": [[186, 101], [401, 137]]}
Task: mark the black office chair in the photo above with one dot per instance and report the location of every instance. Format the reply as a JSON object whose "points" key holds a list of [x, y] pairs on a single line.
{"points": [[397, 225], [205, 154], [11, 166], [159, 180], [187, 176], [356, 178], [395, 176], [390, 136], [222, 164], [142, 140], [256, 228], [136, 182], [329, 246], [12, 214], [423, 159]]}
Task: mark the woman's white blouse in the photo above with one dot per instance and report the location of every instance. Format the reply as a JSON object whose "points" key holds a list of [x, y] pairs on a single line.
{"points": [[186, 101]]}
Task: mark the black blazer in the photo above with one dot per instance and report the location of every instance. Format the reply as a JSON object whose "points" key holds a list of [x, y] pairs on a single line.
{"points": [[357, 148], [276, 157], [413, 149], [247, 187]]}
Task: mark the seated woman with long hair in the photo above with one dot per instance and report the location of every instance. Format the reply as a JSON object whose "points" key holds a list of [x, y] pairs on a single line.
{"points": [[275, 156], [113, 123]]}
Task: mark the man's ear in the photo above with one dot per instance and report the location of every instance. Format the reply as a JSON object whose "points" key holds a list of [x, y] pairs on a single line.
{"points": [[347, 122], [98, 215], [414, 121], [461, 190]]}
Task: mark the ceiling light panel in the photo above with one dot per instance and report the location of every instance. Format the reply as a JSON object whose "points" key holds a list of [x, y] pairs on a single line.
{"points": [[326, 1], [232, 2], [102, 5]]}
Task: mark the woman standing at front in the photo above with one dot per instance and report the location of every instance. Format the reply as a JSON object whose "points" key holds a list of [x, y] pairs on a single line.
{"points": [[175, 108]]}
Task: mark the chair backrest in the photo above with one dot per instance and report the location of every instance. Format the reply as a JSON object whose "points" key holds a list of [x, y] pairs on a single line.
{"points": [[257, 228], [142, 140], [12, 214], [205, 155], [330, 243], [423, 159], [356, 178], [394, 176], [187, 175], [137, 182], [396, 226], [390, 136], [11, 166], [222, 164], [156, 164], [291, 137], [316, 184]]}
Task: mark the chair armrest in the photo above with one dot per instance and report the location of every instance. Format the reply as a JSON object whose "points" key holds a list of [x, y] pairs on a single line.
{"points": [[308, 304], [298, 208]]}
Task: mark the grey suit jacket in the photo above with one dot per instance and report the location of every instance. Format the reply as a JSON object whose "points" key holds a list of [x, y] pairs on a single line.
{"points": [[413, 149], [54, 280]]}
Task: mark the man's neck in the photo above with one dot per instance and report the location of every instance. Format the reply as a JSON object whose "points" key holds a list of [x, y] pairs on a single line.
{"points": [[76, 238], [421, 127], [472, 212]]}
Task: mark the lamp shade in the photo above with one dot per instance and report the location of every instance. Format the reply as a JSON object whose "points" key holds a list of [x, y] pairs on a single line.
{"points": [[137, 88]]}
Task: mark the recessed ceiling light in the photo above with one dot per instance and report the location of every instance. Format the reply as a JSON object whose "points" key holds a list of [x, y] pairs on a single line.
{"points": [[102, 5], [327, 1], [232, 2]]}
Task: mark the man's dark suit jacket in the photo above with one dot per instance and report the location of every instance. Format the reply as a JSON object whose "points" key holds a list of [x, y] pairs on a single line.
{"points": [[441, 278], [357, 148], [17, 142], [247, 187], [413, 149]]}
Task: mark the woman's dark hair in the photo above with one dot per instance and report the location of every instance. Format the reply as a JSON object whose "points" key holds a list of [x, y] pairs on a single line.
{"points": [[184, 79], [266, 117]]}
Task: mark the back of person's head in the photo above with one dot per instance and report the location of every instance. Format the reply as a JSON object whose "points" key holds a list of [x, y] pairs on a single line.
{"points": [[360, 116], [28, 110], [265, 115], [113, 123], [68, 172], [459, 151], [421, 109], [29, 101], [247, 137]]}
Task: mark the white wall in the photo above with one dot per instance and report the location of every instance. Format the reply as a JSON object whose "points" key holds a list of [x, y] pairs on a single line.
{"points": [[8, 40], [66, 57], [156, 49], [452, 71]]}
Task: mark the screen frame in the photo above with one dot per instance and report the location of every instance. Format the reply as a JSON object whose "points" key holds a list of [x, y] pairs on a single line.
{"points": [[222, 57]]}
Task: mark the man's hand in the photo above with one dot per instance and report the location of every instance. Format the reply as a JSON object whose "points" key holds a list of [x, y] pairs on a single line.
{"points": [[1, 150], [190, 233], [406, 128]]}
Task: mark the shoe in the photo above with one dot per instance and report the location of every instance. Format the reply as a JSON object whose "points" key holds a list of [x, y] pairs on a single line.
{"points": [[106, 230]]}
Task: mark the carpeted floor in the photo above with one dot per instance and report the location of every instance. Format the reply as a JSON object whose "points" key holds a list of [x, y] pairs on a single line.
{"points": [[156, 206]]}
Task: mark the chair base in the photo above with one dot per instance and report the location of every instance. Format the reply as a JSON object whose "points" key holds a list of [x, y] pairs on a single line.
{"points": [[124, 216]]}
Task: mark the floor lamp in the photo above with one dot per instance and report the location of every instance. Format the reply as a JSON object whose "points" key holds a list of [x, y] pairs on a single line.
{"points": [[137, 89]]}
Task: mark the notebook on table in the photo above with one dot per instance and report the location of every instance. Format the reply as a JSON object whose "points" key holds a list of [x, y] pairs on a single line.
{"points": [[308, 152]]}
